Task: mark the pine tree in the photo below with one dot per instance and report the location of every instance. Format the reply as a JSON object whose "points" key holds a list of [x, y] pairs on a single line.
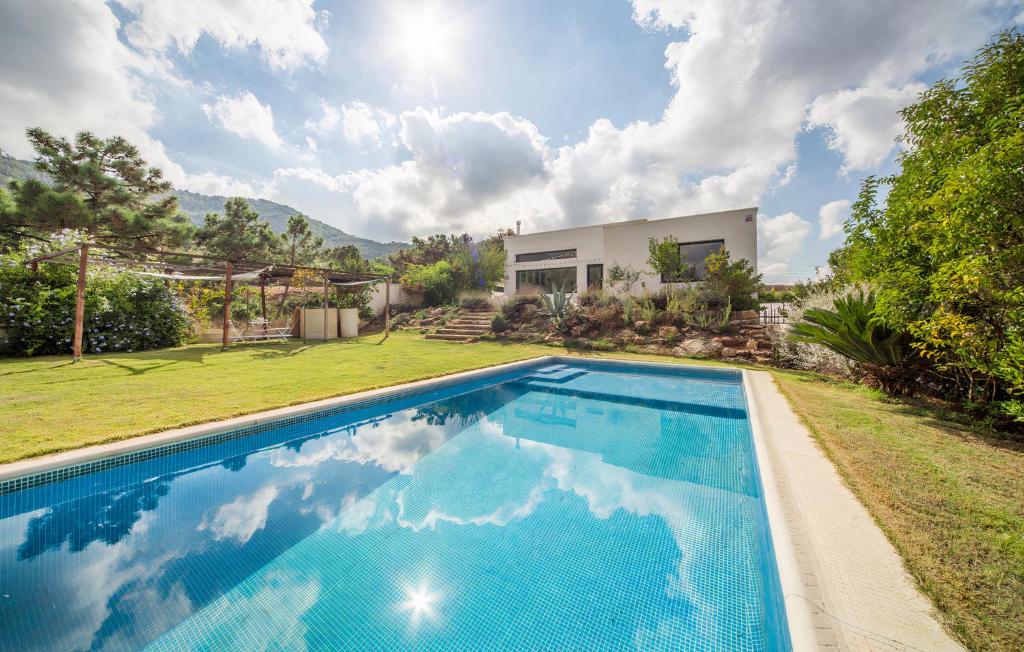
{"points": [[102, 188]]}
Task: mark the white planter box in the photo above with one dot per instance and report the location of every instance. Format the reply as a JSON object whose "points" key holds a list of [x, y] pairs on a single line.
{"points": [[312, 326], [349, 321]]}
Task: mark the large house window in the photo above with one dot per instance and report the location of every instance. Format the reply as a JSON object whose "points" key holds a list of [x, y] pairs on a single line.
{"points": [[692, 256], [548, 280], [560, 254]]}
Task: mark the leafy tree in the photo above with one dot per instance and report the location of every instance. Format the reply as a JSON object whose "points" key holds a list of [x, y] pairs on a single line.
{"points": [[238, 235], [664, 258], [437, 281], [347, 258], [734, 279], [101, 188], [945, 248], [300, 247], [427, 251]]}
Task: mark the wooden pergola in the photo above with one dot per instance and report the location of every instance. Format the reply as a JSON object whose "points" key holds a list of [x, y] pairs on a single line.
{"points": [[184, 266]]}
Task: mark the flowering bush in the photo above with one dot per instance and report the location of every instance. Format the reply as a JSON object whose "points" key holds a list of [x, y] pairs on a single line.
{"points": [[123, 312]]}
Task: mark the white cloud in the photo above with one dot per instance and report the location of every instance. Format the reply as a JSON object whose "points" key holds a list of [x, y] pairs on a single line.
{"points": [[831, 217], [359, 122], [244, 116], [287, 32], [364, 124], [47, 81], [467, 171], [243, 517], [778, 239], [863, 123]]}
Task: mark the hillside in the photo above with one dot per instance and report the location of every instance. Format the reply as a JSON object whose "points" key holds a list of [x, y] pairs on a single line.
{"points": [[196, 206]]}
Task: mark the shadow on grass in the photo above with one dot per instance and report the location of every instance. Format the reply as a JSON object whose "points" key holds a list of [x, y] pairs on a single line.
{"points": [[950, 424], [37, 369]]}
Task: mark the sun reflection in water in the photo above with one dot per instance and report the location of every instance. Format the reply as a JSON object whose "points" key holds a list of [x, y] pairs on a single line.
{"points": [[420, 603]]}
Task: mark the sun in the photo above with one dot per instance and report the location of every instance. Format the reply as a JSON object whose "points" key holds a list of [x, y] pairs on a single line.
{"points": [[426, 40]]}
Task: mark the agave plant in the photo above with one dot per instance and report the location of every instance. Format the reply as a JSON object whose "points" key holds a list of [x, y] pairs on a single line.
{"points": [[556, 305], [852, 330], [723, 322]]}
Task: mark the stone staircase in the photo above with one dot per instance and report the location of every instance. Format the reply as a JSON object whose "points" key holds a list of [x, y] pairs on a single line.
{"points": [[465, 328]]}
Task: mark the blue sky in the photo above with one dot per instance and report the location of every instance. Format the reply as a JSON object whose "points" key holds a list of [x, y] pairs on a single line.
{"points": [[391, 119]]}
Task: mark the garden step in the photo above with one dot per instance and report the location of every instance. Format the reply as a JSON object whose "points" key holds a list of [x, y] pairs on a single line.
{"points": [[450, 338], [463, 331]]}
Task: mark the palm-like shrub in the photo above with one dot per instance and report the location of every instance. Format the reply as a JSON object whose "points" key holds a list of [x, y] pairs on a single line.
{"points": [[853, 331]]}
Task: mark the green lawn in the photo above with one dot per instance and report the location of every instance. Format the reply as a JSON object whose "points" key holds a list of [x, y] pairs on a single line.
{"points": [[948, 498]]}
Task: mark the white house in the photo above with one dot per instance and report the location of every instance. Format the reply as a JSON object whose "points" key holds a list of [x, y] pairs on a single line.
{"points": [[579, 258]]}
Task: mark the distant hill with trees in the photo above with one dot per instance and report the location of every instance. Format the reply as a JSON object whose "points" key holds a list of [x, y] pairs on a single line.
{"points": [[197, 205]]}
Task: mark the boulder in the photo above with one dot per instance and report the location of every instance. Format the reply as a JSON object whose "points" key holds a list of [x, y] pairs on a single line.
{"points": [[745, 314], [701, 348], [729, 352], [437, 312], [751, 344]]}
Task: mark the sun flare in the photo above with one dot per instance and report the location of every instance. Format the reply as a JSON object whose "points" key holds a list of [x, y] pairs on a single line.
{"points": [[425, 40]]}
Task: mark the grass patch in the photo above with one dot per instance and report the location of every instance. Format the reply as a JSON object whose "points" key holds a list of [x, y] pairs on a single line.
{"points": [[951, 500]]}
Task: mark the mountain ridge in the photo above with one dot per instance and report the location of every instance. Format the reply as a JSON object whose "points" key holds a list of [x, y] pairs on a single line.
{"points": [[197, 205]]}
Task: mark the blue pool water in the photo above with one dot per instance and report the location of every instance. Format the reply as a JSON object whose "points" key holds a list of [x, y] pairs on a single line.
{"points": [[583, 506]]}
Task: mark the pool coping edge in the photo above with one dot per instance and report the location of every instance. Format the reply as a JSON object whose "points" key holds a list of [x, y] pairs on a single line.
{"points": [[799, 616]]}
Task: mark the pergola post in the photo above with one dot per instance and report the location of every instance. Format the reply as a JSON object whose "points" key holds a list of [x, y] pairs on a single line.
{"points": [[387, 307], [263, 301], [326, 286], [226, 328], [83, 261]]}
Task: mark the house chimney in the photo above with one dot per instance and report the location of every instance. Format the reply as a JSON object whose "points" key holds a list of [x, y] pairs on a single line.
{"points": [[518, 224]]}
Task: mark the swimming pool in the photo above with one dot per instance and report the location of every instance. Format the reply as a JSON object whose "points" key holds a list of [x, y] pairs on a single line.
{"points": [[569, 505]]}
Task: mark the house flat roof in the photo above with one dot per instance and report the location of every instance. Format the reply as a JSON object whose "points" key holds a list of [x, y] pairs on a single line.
{"points": [[612, 225]]}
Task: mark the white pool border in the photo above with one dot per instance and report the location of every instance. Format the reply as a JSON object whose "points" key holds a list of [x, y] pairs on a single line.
{"points": [[798, 613], [802, 633]]}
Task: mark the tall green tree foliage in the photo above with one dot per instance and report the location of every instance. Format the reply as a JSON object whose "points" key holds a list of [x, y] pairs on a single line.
{"points": [[664, 258], [945, 248], [299, 247], [101, 187], [238, 235]]}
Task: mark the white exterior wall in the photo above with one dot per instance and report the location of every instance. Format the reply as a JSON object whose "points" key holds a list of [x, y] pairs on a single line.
{"points": [[377, 297], [625, 243], [588, 241]]}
